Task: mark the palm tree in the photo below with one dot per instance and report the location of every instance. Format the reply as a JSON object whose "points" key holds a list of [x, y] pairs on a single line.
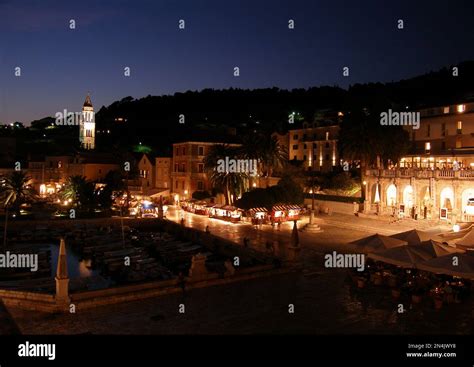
{"points": [[267, 150], [80, 191], [363, 138], [15, 190], [360, 140], [232, 184], [274, 156]]}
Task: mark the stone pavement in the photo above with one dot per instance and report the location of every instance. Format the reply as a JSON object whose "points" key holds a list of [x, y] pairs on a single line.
{"points": [[338, 229]]}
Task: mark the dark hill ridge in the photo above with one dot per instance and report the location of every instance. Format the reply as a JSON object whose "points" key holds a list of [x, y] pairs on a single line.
{"points": [[243, 108]]}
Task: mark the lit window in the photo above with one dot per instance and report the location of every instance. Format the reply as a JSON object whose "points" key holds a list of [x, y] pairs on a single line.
{"points": [[461, 108], [459, 126], [446, 110], [427, 146], [327, 135]]}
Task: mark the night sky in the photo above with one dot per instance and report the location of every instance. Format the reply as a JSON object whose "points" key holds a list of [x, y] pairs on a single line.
{"points": [[60, 65]]}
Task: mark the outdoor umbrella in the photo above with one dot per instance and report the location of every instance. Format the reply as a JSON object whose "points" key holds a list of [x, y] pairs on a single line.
{"points": [[411, 256], [377, 242], [467, 241], [460, 265], [404, 256], [435, 249], [295, 240], [414, 236], [452, 237]]}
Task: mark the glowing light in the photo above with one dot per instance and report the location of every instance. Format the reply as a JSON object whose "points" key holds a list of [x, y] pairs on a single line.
{"points": [[456, 228], [461, 108]]}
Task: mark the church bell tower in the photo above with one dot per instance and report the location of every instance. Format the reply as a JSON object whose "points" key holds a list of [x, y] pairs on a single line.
{"points": [[87, 125]]}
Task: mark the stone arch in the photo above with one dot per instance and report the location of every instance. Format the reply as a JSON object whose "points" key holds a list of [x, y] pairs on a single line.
{"points": [[408, 196], [467, 201], [447, 198], [391, 195], [375, 193]]}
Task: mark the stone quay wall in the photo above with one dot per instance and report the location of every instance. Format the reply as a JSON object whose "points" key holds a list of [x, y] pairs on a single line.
{"points": [[270, 264]]}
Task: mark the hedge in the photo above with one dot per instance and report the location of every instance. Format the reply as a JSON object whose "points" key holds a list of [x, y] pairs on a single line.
{"points": [[342, 199]]}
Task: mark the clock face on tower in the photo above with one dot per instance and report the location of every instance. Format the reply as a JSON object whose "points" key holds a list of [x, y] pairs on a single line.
{"points": [[87, 125]]}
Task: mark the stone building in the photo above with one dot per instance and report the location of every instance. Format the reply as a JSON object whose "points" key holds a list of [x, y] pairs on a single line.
{"points": [[436, 180]]}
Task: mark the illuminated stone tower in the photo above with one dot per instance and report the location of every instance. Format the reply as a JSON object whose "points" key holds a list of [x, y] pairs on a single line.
{"points": [[87, 125]]}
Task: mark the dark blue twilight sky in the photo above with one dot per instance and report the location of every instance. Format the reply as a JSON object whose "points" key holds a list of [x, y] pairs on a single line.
{"points": [[60, 65]]}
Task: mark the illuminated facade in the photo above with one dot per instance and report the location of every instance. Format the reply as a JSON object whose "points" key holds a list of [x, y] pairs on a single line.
{"points": [[315, 145], [87, 125], [435, 181]]}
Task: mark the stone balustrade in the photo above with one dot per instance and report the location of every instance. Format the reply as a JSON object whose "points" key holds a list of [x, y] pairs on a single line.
{"points": [[421, 173]]}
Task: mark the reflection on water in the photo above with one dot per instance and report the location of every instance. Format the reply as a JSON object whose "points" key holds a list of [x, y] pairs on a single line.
{"points": [[77, 268]]}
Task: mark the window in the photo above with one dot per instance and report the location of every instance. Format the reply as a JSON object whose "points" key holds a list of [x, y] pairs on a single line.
{"points": [[176, 167], [200, 167], [177, 151], [427, 146], [184, 151], [176, 184], [294, 157], [459, 130], [327, 135], [295, 137], [327, 157], [304, 157], [461, 108], [60, 164], [446, 110], [443, 145], [183, 167], [182, 185], [295, 147], [304, 136], [200, 185], [428, 130], [327, 145], [304, 146], [200, 150], [443, 129]]}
